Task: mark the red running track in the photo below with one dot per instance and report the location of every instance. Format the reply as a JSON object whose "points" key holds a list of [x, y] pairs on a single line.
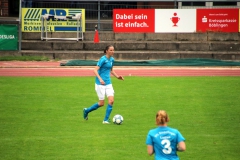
{"points": [[52, 69], [153, 72]]}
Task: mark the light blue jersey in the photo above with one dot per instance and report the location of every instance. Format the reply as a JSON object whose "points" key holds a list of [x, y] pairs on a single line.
{"points": [[105, 65], [164, 141]]}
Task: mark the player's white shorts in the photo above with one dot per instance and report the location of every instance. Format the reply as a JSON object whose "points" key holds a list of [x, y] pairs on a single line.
{"points": [[104, 90]]}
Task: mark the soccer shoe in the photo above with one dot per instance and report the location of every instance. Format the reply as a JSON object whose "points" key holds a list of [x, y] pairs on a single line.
{"points": [[85, 114], [105, 122]]}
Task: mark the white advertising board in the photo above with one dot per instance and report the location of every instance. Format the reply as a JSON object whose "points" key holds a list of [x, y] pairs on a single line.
{"points": [[175, 20]]}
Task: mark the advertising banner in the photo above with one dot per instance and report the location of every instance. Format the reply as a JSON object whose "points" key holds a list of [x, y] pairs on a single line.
{"points": [[219, 20], [32, 20], [175, 20], [133, 20], [8, 37]]}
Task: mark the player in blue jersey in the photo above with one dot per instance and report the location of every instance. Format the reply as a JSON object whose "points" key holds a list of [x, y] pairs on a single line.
{"points": [[164, 141], [103, 84]]}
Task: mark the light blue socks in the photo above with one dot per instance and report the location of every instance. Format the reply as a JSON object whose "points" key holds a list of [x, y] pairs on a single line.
{"points": [[96, 106], [108, 112], [92, 108]]}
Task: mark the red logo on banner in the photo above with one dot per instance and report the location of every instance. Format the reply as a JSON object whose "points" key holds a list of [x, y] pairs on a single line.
{"points": [[133, 20], [175, 19], [219, 20]]}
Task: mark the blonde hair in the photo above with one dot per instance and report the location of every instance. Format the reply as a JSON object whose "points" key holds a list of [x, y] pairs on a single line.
{"points": [[161, 117]]}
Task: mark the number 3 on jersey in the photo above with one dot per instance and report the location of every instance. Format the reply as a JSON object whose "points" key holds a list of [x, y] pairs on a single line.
{"points": [[167, 146]]}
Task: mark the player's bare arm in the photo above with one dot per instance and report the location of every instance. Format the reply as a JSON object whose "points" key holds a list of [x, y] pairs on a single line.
{"points": [[96, 73], [150, 150], [116, 75], [181, 146]]}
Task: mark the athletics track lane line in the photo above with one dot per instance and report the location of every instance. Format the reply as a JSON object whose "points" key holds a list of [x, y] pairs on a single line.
{"points": [[151, 72], [53, 68]]}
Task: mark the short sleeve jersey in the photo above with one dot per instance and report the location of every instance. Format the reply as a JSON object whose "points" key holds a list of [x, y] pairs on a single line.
{"points": [[105, 66], [164, 141]]}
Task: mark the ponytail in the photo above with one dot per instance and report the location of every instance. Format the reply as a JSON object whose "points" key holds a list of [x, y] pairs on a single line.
{"points": [[161, 117]]}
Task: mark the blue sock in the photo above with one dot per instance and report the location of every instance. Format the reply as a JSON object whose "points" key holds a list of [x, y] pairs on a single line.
{"points": [[108, 112], [92, 108]]}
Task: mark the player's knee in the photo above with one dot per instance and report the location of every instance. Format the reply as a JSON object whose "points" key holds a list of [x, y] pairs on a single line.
{"points": [[101, 104], [110, 101]]}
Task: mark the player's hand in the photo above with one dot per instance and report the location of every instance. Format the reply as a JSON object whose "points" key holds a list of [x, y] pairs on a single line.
{"points": [[102, 82], [121, 78]]}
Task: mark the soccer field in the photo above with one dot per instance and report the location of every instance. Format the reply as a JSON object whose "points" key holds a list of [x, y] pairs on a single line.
{"points": [[41, 118]]}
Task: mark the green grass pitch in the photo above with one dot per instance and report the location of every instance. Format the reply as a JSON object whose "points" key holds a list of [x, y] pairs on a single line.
{"points": [[41, 118]]}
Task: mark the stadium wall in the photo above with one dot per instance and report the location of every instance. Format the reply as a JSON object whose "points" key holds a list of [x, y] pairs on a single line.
{"points": [[135, 46]]}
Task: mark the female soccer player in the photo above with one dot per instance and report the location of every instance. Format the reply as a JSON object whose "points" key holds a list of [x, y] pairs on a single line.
{"points": [[163, 140], [103, 84]]}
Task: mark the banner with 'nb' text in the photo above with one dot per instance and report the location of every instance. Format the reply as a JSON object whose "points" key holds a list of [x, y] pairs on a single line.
{"points": [[8, 37], [32, 20]]}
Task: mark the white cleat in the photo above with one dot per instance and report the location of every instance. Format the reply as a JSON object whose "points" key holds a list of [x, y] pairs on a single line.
{"points": [[105, 122]]}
